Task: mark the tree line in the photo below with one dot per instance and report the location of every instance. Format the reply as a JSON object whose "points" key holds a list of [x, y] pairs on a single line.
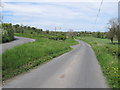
{"points": [[8, 31]]}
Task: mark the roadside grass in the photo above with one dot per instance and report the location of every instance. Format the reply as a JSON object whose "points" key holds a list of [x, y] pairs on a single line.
{"points": [[107, 56], [26, 56]]}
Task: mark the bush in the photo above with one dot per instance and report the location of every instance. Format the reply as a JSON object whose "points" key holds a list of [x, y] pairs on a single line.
{"points": [[7, 33], [58, 37]]}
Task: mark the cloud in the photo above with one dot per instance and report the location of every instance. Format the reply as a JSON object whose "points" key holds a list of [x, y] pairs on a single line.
{"points": [[24, 8], [46, 11], [46, 15], [60, 0]]}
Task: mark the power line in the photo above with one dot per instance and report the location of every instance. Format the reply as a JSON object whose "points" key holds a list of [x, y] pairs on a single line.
{"points": [[98, 11]]}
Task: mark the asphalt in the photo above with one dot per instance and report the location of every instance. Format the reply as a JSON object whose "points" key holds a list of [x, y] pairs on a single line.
{"points": [[17, 41], [78, 68]]}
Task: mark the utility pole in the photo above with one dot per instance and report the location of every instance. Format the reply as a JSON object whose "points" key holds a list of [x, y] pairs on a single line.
{"points": [[56, 29]]}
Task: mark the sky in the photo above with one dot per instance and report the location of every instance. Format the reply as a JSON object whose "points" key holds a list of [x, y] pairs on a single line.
{"points": [[79, 15]]}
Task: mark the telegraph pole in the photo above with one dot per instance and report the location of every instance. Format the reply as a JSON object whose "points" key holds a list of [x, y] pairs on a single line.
{"points": [[56, 29]]}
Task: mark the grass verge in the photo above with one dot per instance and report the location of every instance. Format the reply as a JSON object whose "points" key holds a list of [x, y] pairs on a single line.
{"points": [[107, 56], [26, 56]]}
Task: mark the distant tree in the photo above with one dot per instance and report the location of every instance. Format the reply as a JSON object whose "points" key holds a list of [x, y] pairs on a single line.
{"points": [[98, 34], [38, 31], [47, 31], [33, 28], [28, 27], [17, 28]]}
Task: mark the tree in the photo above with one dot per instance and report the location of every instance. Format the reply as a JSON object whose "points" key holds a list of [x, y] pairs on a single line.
{"points": [[98, 34], [114, 30], [17, 28], [47, 31], [110, 35], [38, 31], [33, 28], [118, 33]]}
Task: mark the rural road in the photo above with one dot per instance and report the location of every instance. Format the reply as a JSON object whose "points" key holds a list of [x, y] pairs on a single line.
{"points": [[18, 41], [78, 68]]}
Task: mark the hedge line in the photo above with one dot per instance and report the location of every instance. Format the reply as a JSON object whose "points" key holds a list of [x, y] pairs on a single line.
{"points": [[58, 37]]}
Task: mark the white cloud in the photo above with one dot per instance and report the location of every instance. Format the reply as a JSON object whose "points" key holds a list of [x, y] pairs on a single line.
{"points": [[23, 8], [66, 15], [60, 0], [43, 10]]}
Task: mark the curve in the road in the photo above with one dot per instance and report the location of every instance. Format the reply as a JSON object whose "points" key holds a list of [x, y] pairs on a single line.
{"points": [[17, 41], [78, 68]]}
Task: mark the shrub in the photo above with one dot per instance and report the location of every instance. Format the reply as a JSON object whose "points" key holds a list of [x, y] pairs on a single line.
{"points": [[58, 37], [7, 33]]}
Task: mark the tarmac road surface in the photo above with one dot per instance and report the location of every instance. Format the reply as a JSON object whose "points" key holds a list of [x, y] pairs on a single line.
{"points": [[17, 41]]}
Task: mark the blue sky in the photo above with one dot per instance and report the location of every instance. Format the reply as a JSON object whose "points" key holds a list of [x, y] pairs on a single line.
{"points": [[78, 16]]}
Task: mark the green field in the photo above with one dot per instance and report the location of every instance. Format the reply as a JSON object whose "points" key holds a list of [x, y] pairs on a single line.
{"points": [[107, 56], [24, 57]]}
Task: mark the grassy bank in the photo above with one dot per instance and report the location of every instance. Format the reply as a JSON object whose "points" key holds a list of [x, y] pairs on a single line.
{"points": [[26, 56], [107, 56]]}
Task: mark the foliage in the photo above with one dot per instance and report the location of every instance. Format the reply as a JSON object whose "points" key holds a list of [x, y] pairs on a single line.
{"points": [[99, 34], [102, 35], [26, 29], [7, 33], [114, 30], [9, 30], [58, 37]]}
